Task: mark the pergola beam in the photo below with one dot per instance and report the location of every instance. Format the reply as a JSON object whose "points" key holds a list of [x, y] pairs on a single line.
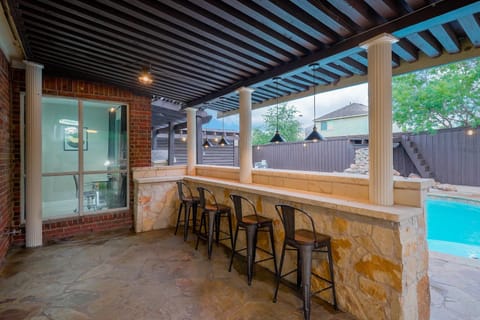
{"points": [[431, 15]]}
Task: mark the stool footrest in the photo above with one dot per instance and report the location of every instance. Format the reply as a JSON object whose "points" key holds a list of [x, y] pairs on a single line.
{"points": [[288, 273], [266, 259], [263, 250], [322, 278], [321, 290]]}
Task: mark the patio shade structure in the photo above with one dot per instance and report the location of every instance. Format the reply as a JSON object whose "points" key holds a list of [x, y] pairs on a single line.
{"points": [[201, 50], [201, 53]]}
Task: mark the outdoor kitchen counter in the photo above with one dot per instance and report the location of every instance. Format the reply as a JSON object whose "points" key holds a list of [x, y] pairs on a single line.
{"points": [[394, 213], [380, 253]]}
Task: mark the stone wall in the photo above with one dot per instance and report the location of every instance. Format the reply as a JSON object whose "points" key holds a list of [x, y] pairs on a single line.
{"points": [[156, 201], [158, 172], [360, 165], [221, 172], [407, 192], [380, 253], [380, 265]]}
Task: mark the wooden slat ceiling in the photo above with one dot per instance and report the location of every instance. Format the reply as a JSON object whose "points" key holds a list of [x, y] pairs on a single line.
{"points": [[200, 51]]}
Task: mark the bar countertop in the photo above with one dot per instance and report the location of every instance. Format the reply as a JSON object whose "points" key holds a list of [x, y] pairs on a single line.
{"points": [[395, 213]]}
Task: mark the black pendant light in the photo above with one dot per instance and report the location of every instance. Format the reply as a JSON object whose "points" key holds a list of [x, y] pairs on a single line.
{"points": [[314, 135], [223, 142], [277, 137], [207, 144]]}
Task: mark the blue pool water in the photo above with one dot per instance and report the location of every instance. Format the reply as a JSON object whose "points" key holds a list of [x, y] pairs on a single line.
{"points": [[453, 227]]}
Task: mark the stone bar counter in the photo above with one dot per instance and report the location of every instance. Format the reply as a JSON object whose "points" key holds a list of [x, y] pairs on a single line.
{"points": [[380, 253], [155, 196]]}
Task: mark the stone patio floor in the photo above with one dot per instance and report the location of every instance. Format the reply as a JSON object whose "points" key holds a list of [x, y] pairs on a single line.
{"points": [[454, 287], [155, 275]]}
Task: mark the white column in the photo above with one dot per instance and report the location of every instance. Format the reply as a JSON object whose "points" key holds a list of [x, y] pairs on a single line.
{"points": [[380, 118], [245, 143], [191, 140], [33, 144]]}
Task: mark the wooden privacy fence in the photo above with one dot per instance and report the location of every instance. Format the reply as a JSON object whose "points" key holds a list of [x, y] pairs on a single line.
{"points": [[328, 156], [449, 155], [215, 155], [332, 155]]}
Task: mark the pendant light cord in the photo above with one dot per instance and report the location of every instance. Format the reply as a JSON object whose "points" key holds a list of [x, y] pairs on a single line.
{"points": [[276, 82], [314, 99]]}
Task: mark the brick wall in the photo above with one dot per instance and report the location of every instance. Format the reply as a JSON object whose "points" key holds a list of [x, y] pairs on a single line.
{"points": [[64, 228], [139, 139], [18, 86], [5, 155]]}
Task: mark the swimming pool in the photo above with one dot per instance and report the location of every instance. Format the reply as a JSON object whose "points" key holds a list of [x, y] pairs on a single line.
{"points": [[453, 227]]}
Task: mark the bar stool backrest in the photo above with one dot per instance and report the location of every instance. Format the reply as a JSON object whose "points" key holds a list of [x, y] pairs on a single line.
{"points": [[184, 191], [237, 205], [207, 197], [289, 215]]}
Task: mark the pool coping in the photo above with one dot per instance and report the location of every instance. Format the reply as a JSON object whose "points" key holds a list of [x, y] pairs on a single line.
{"points": [[464, 198], [456, 259]]}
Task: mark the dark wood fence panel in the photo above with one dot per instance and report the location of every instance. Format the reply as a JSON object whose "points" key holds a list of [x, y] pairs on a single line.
{"points": [[453, 156], [327, 156], [402, 163], [180, 152], [216, 155], [220, 156]]}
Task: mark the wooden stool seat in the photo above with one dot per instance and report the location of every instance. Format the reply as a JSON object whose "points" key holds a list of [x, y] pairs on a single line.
{"points": [[212, 213], [308, 237]]}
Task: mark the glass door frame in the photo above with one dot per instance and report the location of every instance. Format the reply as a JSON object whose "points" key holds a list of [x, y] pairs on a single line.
{"points": [[80, 172]]}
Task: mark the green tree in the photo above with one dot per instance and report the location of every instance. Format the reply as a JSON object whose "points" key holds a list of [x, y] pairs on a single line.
{"points": [[443, 97], [288, 125]]}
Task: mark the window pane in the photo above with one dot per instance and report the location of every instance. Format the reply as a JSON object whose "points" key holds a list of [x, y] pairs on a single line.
{"points": [[94, 190], [59, 197], [104, 151], [105, 191], [95, 117], [59, 135], [106, 128]]}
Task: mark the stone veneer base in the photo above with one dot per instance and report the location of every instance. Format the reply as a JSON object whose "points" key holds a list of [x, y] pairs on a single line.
{"points": [[380, 253]]}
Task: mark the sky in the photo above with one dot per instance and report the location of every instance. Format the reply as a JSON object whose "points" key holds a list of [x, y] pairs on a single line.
{"points": [[325, 103]]}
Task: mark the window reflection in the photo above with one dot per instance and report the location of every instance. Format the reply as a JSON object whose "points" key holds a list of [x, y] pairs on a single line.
{"points": [[101, 178]]}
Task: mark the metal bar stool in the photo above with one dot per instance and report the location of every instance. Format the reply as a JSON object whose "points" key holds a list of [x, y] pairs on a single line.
{"points": [[252, 224], [305, 242], [187, 202], [212, 212]]}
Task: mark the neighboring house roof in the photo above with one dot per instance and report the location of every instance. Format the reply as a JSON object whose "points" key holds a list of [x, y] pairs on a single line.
{"points": [[351, 110]]}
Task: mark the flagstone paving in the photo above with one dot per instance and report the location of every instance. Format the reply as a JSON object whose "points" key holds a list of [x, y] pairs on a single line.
{"points": [[155, 275]]}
